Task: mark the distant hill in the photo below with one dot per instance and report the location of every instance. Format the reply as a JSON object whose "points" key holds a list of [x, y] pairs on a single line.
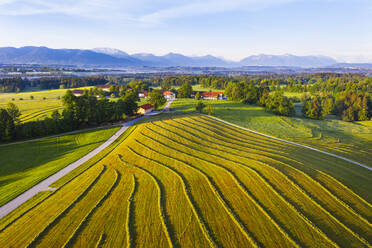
{"points": [[44, 55], [109, 57], [112, 52], [176, 59], [287, 60]]}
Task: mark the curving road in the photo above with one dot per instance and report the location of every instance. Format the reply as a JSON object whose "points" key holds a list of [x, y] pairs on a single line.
{"points": [[44, 185]]}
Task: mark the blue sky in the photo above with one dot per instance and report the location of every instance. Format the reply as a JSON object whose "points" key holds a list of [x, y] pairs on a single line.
{"points": [[232, 29]]}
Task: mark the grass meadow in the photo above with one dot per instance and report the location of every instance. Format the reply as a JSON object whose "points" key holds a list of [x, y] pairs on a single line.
{"points": [[38, 108], [186, 180], [352, 140], [25, 164]]}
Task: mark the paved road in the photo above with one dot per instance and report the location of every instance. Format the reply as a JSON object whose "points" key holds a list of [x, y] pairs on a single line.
{"points": [[44, 185], [294, 143]]}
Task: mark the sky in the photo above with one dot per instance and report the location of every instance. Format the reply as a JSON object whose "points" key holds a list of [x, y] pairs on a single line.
{"points": [[232, 29]]}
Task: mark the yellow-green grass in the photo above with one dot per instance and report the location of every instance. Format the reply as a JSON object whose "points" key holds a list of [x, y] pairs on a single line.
{"points": [[38, 95], [25, 164], [185, 180], [38, 108], [352, 140]]}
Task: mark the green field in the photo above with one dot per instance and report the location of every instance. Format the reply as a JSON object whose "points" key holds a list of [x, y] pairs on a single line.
{"points": [[353, 140], [185, 180], [38, 108], [24, 165]]}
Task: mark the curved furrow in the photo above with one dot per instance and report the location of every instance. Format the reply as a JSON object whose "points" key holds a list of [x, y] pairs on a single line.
{"points": [[161, 199], [36, 114], [348, 208], [39, 236], [210, 130], [242, 187], [340, 201], [43, 200], [70, 242], [62, 186], [335, 185], [186, 190], [232, 132], [222, 142], [245, 145], [326, 209], [238, 131], [356, 235], [101, 241], [305, 219], [130, 218]]}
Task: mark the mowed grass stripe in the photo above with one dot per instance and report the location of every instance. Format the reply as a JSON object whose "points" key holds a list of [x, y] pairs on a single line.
{"points": [[24, 230], [209, 130], [67, 224], [162, 214], [113, 212], [60, 184], [355, 234], [364, 224], [230, 224], [186, 190], [38, 238], [177, 206], [179, 125], [251, 198], [72, 239], [101, 241], [196, 133], [354, 222], [351, 198], [249, 161], [237, 131], [34, 115], [233, 132], [274, 206], [130, 216]]}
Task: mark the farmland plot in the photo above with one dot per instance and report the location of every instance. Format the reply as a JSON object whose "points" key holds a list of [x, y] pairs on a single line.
{"points": [[192, 181]]}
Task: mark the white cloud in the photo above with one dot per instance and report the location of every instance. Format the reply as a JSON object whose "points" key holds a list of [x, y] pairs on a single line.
{"points": [[142, 11], [195, 8]]}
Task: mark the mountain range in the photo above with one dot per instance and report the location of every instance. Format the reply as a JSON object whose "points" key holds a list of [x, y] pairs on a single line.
{"points": [[108, 57]]}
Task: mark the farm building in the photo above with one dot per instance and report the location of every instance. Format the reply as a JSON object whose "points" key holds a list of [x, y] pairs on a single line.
{"points": [[169, 95], [143, 94], [144, 109], [78, 92], [211, 95]]}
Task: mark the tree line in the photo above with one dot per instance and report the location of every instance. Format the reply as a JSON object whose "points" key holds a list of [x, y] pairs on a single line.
{"points": [[83, 111], [19, 84]]}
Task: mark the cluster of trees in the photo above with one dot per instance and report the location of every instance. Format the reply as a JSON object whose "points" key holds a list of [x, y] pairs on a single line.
{"points": [[156, 98], [86, 110], [12, 84], [248, 93], [243, 91], [8, 118], [277, 104], [185, 91], [348, 105]]}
